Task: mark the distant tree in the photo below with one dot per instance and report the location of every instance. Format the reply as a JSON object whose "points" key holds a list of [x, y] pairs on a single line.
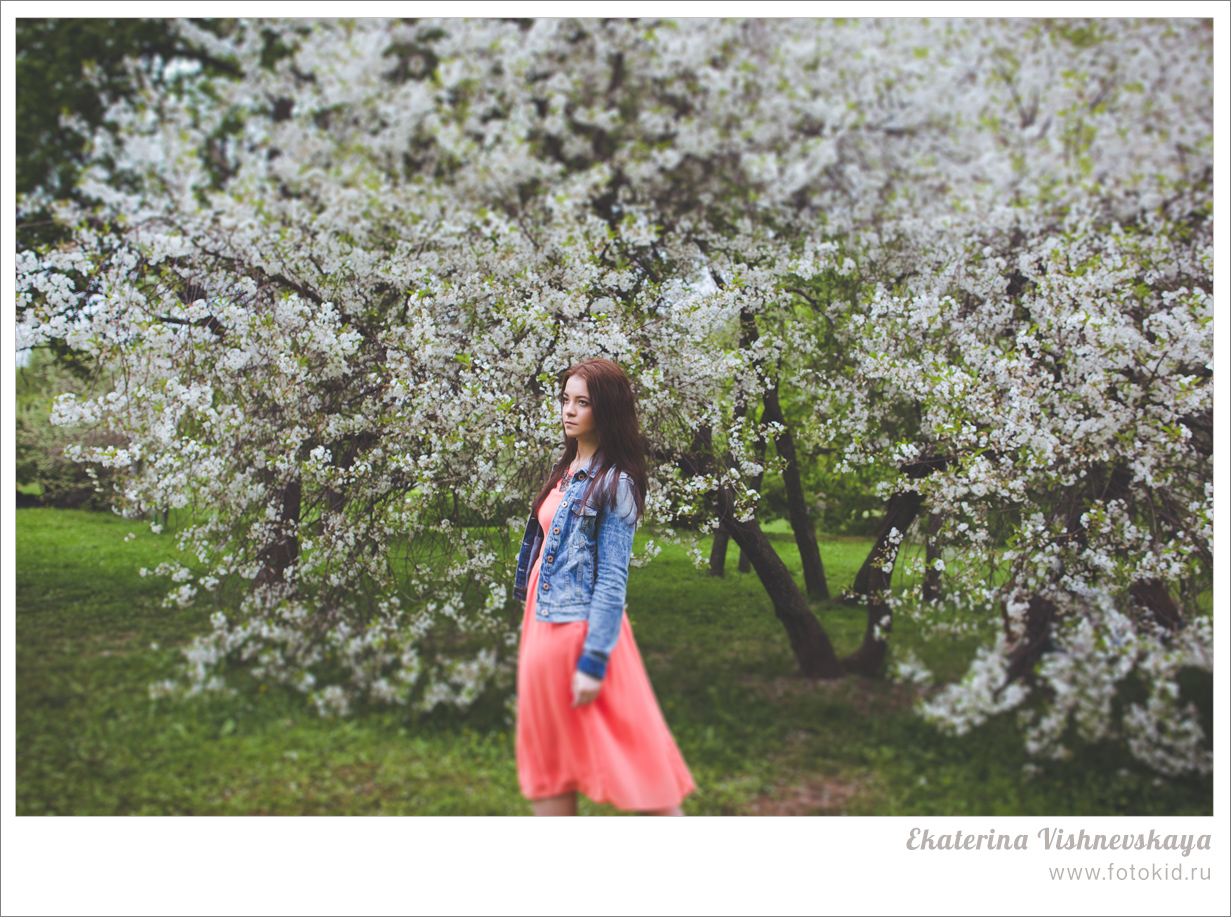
{"points": [[40, 444]]}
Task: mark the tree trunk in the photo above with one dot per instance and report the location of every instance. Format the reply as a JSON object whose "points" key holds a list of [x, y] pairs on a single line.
{"points": [[870, 657], [1151, 594], [801, 524], [745, 563], [809, 642], [1035, 638], [873, 582], [1154, 595], [1030, 644], [283, 551], [900, 512], [931, 578], [718, 553], [335, 502], [874, 577]]}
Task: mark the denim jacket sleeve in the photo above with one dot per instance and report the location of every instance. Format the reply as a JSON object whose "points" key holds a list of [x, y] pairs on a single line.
{"points": [[614, 548]]}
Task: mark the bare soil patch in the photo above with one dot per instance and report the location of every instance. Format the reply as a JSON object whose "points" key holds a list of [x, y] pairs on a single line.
{"points": [[814, 796]]}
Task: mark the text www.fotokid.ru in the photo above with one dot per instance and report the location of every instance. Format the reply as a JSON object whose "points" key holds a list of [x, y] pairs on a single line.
{"points": [[1130, 873]]}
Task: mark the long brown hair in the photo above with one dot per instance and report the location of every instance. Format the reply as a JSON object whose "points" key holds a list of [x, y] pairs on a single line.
{"points": [[620, 444]]}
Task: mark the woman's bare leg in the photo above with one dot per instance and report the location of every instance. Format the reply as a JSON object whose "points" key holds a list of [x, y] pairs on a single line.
{"points": [[674, 810], [564, 804]]}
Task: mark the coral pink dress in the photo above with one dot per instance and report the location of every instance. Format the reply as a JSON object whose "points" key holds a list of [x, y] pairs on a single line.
{"points": [[616, 750]]}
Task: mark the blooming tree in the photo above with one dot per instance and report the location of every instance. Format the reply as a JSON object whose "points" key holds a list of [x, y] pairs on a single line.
{"points": [[1075, 423], [335, 289]]}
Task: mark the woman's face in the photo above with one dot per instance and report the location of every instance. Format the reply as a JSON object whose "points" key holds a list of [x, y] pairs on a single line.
{"points": [[576, 413]]}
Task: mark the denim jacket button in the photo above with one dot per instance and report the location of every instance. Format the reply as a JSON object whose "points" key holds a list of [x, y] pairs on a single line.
{"points": [[546, 586], [556, 530], [550, 558]]}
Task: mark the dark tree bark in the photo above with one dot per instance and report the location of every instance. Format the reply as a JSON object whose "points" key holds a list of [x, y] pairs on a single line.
{"points": [[811, 645], [900, 512], [280, 554], [869, 659], [1035, 637], [1040, 613], [335, 502], [801, 524], [745, 562], [1154, 595], [718, 553], [1151, 594], [813, 650], [873, 579], [1030, 645], [931, 578], [748, 335]]}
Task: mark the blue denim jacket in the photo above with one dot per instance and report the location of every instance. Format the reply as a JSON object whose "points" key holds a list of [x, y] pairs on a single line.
{"points": [[585, 565]]}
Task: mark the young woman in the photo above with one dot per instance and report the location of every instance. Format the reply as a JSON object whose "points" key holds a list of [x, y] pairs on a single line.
{"points": [[587, 719]]}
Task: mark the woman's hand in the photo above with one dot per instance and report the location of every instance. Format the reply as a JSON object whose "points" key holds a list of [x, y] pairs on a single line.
{"points": [[585, 688]]}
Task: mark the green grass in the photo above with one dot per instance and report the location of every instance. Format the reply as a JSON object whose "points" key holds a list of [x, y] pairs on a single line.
{"points": [[757, 737]]}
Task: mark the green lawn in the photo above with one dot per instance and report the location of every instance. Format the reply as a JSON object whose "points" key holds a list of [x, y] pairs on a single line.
{"points": [[91, 636]]}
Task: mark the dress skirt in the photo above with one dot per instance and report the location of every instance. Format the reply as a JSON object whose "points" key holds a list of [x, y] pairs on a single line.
{"points": [[616, 750]]}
